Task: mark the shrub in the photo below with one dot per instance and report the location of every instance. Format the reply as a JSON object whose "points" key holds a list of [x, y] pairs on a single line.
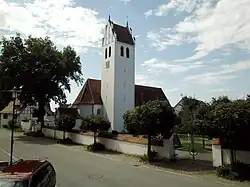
{"points": [[35, 134], [96, 147], [114, 132], [235, 171], [153, 155], [5, 126]]}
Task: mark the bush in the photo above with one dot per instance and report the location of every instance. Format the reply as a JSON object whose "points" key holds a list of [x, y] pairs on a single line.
{"points": [[35, 134], [106, 135], [114, 132], [5, 126], [96, 147], [145, 158], [237, 171]]}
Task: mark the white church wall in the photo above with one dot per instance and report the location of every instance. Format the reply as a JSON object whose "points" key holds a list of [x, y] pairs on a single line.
{"points": [[124, 86], [87, 110], [107, 76]]}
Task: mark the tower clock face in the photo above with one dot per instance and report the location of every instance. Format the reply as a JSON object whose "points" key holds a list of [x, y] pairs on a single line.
{"points": [[107, 64]]}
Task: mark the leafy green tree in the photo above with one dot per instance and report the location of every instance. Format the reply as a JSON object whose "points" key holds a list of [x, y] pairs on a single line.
{"points": [[190, 108], [151, 118], [95, 123], [220, 100], [40, 67], [248, 97], [228, 121], [66, 123]]}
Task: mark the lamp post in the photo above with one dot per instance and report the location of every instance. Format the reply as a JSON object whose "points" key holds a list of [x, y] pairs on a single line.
{"points": [[14, 96]]}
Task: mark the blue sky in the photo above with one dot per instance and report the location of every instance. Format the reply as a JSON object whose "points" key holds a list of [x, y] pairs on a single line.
{"points": [[192, 47]]}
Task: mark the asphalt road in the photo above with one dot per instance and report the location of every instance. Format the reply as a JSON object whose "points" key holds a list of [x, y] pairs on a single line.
{"points": [[78, 168]]}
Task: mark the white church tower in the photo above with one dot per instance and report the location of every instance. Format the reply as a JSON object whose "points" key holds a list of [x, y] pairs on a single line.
{"points": [[118, 73]]}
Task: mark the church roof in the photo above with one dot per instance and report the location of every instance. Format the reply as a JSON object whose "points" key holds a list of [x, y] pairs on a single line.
{"points": [[91, 93], [123, 34]]}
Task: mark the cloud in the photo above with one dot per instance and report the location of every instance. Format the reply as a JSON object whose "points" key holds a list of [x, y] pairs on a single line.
{"points": [[148, 13], [221, 90], [155, 65], [178, 5], [172, 90], [210, 25], [145, 80], [164, 38], [125, 1], [223, 74], [62, 21]]}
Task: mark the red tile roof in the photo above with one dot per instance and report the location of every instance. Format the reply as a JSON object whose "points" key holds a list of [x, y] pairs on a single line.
{"points": [[123, 34], [91, 93], [146, 93]]}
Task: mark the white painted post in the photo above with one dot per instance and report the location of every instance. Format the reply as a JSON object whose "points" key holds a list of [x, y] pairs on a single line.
{"points": [[217, 153]]}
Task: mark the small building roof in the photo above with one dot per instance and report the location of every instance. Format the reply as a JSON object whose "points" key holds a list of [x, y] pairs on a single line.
{"points": [[91, 93]]}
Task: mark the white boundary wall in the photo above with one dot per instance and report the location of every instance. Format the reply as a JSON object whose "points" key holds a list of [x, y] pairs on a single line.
{"points": [[223, 156], [167, 151]]}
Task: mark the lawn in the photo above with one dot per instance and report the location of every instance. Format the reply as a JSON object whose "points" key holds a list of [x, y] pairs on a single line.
{"points": [[198, 144]]}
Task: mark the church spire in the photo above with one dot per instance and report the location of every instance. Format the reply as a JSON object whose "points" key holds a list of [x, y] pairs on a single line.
{"points": [[127, 22], [109, 17]]}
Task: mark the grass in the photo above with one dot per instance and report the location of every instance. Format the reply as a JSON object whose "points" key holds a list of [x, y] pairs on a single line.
{"points": [[198, 144]]}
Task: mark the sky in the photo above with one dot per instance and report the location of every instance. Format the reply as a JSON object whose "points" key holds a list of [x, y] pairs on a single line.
{"points": [[198, 48]]}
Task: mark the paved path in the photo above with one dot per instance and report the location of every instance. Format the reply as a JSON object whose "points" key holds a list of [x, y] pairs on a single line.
{"points": [[78, 168]]}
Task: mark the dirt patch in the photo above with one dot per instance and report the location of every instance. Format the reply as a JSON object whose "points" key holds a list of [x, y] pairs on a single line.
{"points": [[127, 138]]}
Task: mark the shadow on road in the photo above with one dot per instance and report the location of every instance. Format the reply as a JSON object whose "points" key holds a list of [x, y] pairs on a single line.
{"points": [[34, 140], [109, 152], [188, 165]]}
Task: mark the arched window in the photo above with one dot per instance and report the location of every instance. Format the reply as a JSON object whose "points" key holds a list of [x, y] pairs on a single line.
{"points": [[109, 51], [106, 53], [122, 51], [127, 52]]}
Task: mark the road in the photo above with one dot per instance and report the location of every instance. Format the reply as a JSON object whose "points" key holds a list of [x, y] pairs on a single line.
{"points": [[78, 168]]}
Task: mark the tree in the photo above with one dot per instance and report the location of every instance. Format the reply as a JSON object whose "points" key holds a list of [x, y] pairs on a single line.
{"points": [[187, 115], [95, 123], [36, 64], [66, 123], [248, 97], [190, 108], [151, 118], [230, 122], [220, 100]]}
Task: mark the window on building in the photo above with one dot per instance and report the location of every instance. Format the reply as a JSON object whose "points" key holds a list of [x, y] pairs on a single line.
{"points": [[98, 111], [109, 51], [5, 116], [124, 70], [127, 52], [107, 64], [122, 51], [106, 53]]}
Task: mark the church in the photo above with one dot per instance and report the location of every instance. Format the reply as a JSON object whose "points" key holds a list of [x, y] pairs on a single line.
{"points": [[116, 92]]}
